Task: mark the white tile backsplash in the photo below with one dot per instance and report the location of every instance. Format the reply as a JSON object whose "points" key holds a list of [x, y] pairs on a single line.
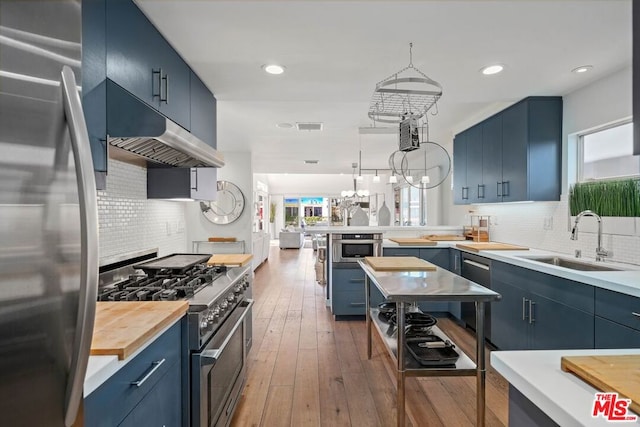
{"points": [[524, 224], [129, 222]]}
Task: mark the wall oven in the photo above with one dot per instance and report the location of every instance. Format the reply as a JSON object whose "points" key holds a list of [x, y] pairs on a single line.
{"points": [[352, 247]]}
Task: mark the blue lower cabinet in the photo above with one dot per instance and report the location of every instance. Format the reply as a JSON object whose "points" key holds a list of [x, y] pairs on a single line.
{"points": [[437, 256], [348, 297], [540, 311], [161, 406], [147, 391], [401, 252], [610, 334]]}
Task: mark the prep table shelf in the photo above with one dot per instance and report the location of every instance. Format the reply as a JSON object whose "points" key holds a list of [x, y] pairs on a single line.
{"points": [[407, 287], [464, 365]]}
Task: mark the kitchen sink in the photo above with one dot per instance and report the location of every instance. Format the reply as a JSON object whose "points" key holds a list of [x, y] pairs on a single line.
{"points": [[571, 264]]}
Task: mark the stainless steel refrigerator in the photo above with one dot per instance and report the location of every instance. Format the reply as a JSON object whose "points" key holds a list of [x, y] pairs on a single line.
{"points": [[48, 215]]}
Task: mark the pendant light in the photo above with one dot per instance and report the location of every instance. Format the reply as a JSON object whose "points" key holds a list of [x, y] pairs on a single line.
{"points": [[393, 179], [376, 178]]}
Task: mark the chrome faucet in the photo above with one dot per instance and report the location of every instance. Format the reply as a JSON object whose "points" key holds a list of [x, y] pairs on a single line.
{"points": [[601, 253]]}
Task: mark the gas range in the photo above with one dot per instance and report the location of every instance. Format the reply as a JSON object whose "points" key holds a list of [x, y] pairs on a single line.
{"points": [[213, 292]]}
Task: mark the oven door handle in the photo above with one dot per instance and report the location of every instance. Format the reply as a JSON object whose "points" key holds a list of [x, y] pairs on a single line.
{"points": [[209, 357]]}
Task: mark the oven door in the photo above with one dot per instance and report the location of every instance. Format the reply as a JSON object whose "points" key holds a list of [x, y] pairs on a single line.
{"points": [[218, 372]]}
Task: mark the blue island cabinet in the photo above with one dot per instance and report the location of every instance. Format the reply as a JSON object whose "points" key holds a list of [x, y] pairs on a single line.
{"points": [[147, 391], [539, 311], [347, 287]]}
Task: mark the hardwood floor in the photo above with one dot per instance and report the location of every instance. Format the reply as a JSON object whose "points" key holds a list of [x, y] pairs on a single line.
{"points": [[305, 369]]}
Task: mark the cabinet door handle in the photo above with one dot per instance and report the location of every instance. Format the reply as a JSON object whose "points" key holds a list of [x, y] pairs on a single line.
{"points": [[165, 79], [480, 186], [153, 90], [531, 318], [499, 188], [156, 365], [524, 310], [505, 193], [194, 171], [465, 193], [356, 280], [635, 314], [356, 304]]}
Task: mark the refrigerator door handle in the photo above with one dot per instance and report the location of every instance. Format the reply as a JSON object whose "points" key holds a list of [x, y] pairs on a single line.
{"points": [[89, 237]]}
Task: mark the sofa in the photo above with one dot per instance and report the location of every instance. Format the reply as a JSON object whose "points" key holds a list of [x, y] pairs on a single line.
{"points": [[291, 239]]}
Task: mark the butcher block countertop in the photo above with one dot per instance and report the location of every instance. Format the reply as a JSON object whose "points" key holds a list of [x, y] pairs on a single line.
{"points": [[124, 329]]}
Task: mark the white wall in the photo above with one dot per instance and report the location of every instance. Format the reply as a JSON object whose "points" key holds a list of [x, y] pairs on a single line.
{"points": [[237, 169], [129, 222]]}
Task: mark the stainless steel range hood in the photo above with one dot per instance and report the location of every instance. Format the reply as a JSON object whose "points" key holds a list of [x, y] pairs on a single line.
{"points": [[137, 128]]}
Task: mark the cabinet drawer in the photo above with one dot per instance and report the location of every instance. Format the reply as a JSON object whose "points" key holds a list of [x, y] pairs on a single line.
{"points": [[347, 279], [401, 252], [112, 401], [621, 308], [613, 335], [348, 303], [567, 292]]}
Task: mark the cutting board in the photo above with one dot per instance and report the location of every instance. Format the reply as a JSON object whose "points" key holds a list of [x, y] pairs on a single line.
{"points": [[222, 239], [399, 263], [608, 373], [413, 241], [230, 260], [490, 246], [122, 327], [443, 237]]}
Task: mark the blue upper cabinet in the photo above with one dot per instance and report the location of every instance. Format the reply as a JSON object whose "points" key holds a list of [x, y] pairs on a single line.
{"points": [[491, 159], [460, 189], [203, 112], [516, 155], [474, 164], [141, 61], [532, 150]]}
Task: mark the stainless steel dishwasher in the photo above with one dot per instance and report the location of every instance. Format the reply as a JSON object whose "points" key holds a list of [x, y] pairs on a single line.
{"points": [[478, 270]]}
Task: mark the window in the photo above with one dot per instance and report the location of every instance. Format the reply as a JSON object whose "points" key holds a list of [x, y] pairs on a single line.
{"points": [[410, 205], [607, 153]]}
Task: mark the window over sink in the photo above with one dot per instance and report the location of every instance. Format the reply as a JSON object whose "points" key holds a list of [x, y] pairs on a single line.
{"points": [[607, 153]]}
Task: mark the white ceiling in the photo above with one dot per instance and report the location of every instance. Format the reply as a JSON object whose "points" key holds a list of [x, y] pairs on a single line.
{"points": [[336, 51]]}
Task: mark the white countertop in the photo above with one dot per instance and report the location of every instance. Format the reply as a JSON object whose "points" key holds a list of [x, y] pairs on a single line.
{"points": [[394, 230], [101, 368], [626, 281], [564, 397]]}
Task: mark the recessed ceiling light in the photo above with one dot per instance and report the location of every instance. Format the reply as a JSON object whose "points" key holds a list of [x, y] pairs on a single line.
{"points": [[492, 69], [284, 125], [311, 162], [582, 69], [273, 68]]}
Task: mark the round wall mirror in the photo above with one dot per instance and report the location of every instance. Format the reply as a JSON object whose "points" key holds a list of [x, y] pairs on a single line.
{"points": [[228, 205]]}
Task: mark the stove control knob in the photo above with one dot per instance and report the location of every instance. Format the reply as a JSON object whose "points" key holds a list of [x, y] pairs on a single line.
{"points": [[211, 317], [238, 289], [215, 311], [231, 297], [203, 325], [223, 305]]}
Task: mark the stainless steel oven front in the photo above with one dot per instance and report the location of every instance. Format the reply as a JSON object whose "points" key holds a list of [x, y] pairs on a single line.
{"points": [[218, 371], [352, 247]]}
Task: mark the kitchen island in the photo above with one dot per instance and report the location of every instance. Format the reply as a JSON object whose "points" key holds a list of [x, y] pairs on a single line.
{"points": [[540, 393], [406, 287]]}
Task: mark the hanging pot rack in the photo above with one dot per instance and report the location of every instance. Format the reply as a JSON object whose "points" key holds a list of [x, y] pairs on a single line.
{"points": [[398, 97]]}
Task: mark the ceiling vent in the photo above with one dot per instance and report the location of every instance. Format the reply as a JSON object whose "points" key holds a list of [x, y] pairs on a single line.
{"points": [[311, 162], [309, 126]]}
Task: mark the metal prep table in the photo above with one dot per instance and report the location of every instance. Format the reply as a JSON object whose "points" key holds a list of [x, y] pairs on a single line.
{"points": [[406, 287]]}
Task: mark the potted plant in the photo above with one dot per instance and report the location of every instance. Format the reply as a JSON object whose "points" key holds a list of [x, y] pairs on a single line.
{"points": [[272, 219]]}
